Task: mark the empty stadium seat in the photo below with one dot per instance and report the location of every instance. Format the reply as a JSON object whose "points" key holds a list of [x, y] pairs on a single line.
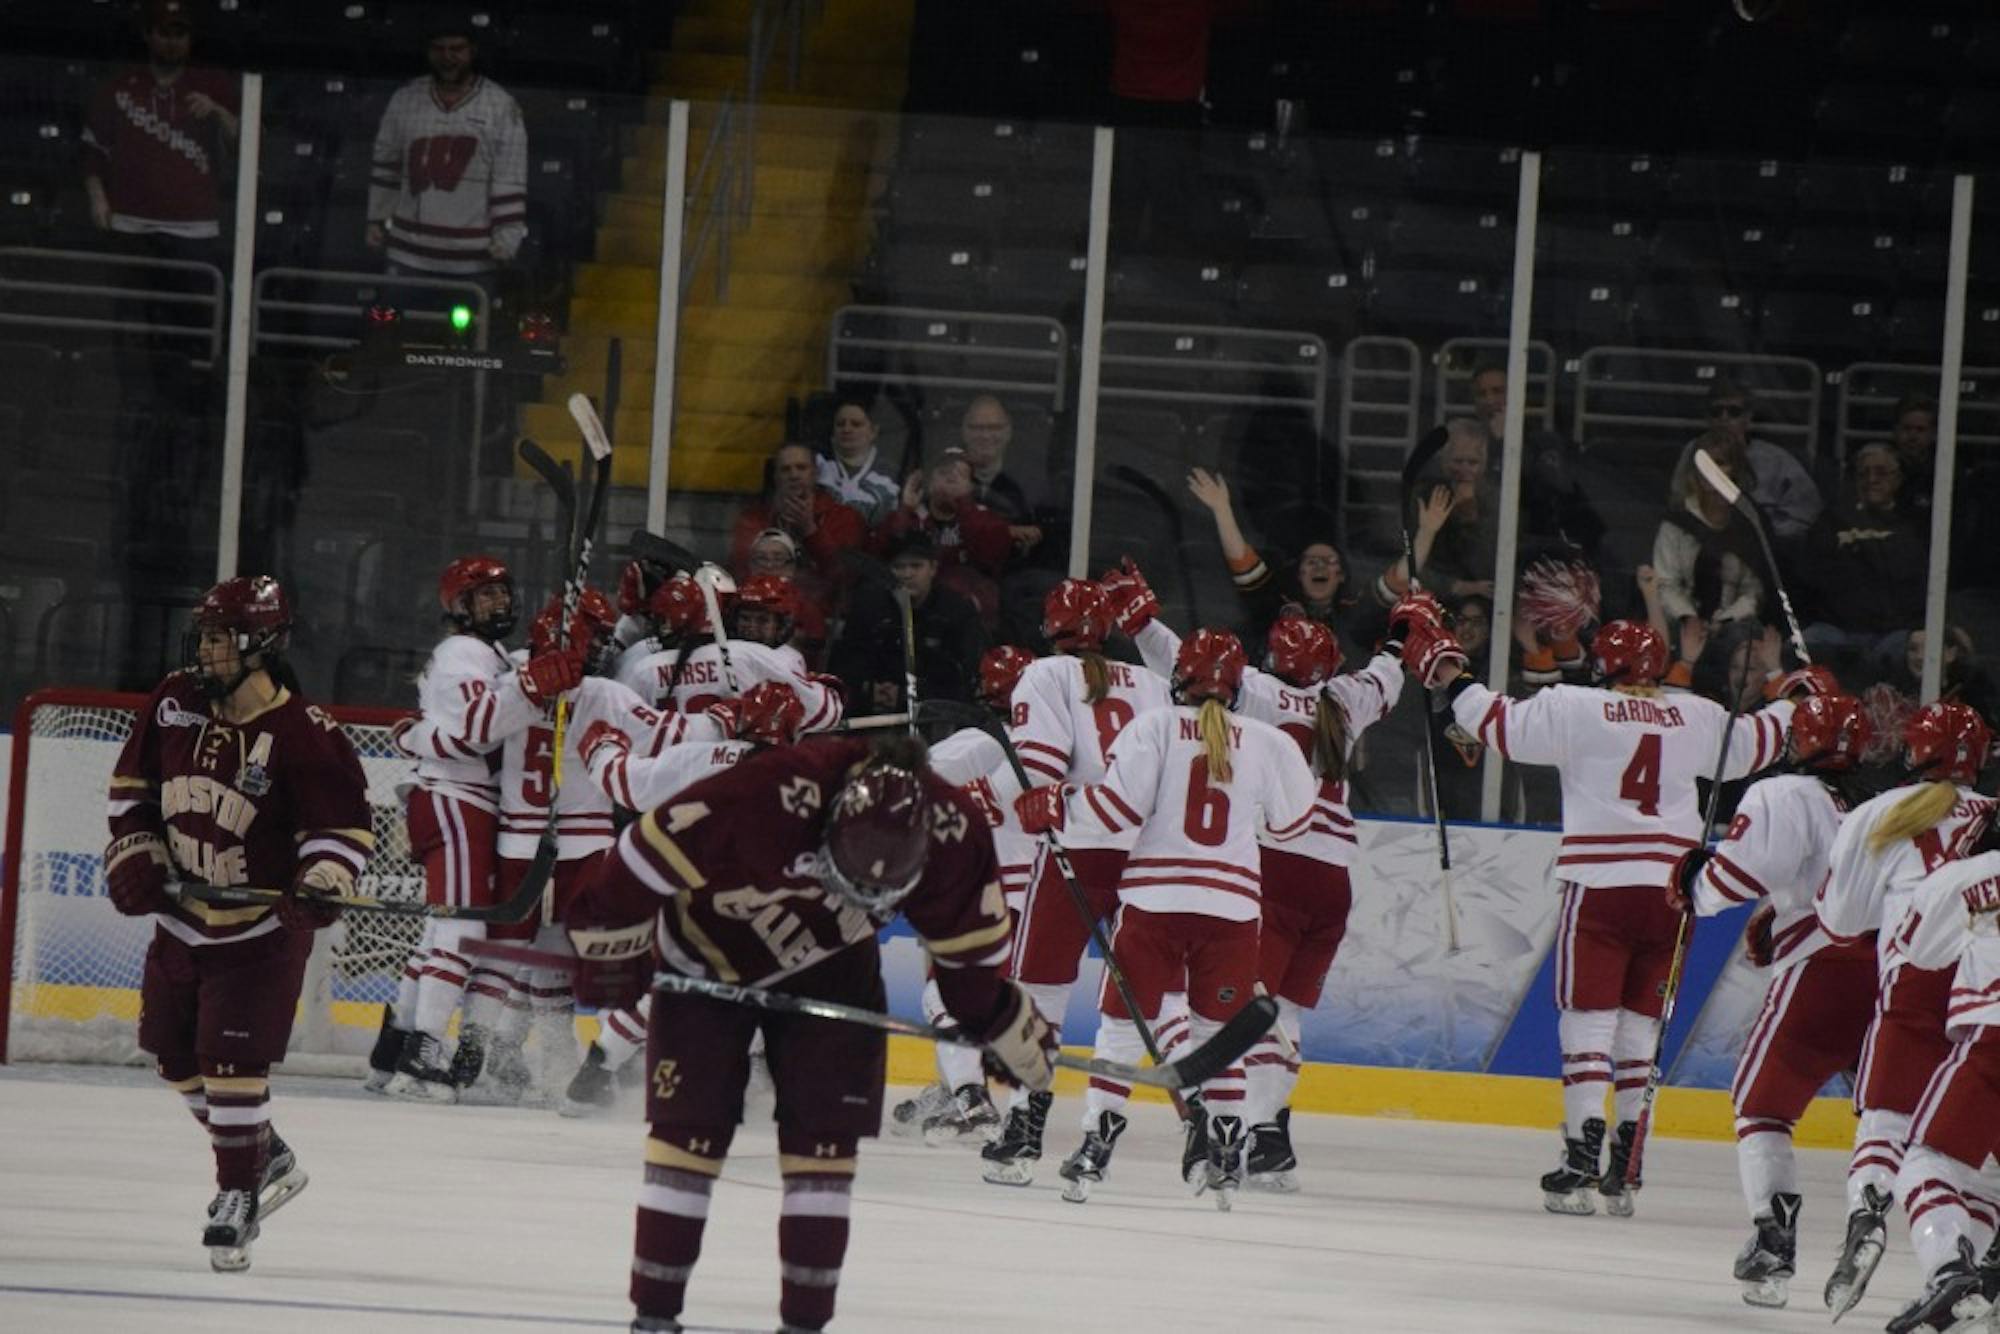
{"points": [[1037, 280], [928, 274], [1607, 249], [1832, 327], [1605, 184], [1576, 313], [1196, 290], [1737, 190], [1846, 259], [1474, 240], [1325, 300], [1431, 303], [1466, 172], [1675, 315]]}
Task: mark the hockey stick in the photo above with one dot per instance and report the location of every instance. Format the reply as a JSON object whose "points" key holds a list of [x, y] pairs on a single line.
{"points": [[1156, 493], [558, 478], [661, 551], [1683, 932], [713, 581], [1421, 454], [1725, 486], [973, 715], [517, 908], [907, 615]]}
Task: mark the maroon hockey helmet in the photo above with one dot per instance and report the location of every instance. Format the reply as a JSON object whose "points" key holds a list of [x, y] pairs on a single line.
{"points": [[1947, 742], [1210, 665], [253, 610], [771, 714], [877, 836], [1629, 653], [465, 576], [1303, 652], [773, 596], [1830, 732], [1000, 669], [1076, 614]]}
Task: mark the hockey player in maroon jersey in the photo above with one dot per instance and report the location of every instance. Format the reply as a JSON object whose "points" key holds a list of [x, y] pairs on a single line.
{"points": [[779, 873], [1821, 995], [229, 778]]}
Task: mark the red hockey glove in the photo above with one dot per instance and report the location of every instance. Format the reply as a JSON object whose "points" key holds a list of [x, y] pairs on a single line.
{"points": [[1041, 809], [1022, 1051], [1757, 934], [614, 963], [1806, 681], [1428, 647], [1680, 889], [399, 736], [135, 873], [1413, 609], [1133, 602], [728, 715], [547, 675], [304, 907], [597, 737], [632, 589]]}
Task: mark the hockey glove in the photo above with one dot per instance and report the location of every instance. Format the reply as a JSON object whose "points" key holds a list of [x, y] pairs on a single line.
{"points": [[1412, 609], [633, 592], [601, 736], [1757, 935], [728, 715], [1680, 889], [1022, 1050], [547, 675], [1133, 602], [135, 873], [1041, 809], [304, 907], [614, 963], [1428, 649]]}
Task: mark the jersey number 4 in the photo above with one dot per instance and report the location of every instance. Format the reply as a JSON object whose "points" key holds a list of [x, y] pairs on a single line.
{"points": [[1641, 781]]}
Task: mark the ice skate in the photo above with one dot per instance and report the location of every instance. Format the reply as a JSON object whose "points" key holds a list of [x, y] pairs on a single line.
{"points": [[232, 1226], [1568, 1189], [386, 1053], [1228, 1144], [1273, 1166], [1766, 1263], [655, 1324], [1989, 1272], [469, 1057], [592, 1089], [423, 1075], [1086, 1167], [283, 1178], [1952, 1300], [502, 1079], [1867, 1234], [1194, 1148], [1617, 1192], [970, 1118], [909, 1116], [1010, 1160]]}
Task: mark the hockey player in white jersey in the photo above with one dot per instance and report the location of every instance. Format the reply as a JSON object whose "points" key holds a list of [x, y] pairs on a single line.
{"points": [[1307, 891], [1952, 924], [1821, 994], [1067, 711], [1884, 848], [684, 670], [634, 772], [1627, 756], [957, 1106], [1198, 786], [453, 808]]}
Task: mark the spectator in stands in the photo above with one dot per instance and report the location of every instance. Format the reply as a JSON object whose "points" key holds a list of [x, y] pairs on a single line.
{"points": [[448, 195], [972, 542], [1705, 564], [1867, 561], [154, 140], [821, 526], [868, 656], [1781, 486], [854, 472], [1556, 517], [1963, 678], [774, 552], [1916, 447], [1455, 528], [984, 433], [1318, 585]]}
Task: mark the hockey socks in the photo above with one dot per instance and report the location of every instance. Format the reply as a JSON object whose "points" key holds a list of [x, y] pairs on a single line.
{"points": [[681, 1167], [1586, 1037], [812, 1225]]}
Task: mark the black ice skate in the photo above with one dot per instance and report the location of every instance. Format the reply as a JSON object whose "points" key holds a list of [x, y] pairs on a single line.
{"points": [[1273, 1166], [1860, 1252], [386, 1054], [1567, 1190], [1767, 1261], [423, 1075], [1952, 1300], [502, 1079], [1194, 1147], [469, 1057], [593, 1088], [655, 1324], [1989, 1272], [1010, 1160], [1228, 1146], [283, 1178], [232, 1226], [909, 1116], [1616, 1191], [1086, 1167], [969, 1118]]}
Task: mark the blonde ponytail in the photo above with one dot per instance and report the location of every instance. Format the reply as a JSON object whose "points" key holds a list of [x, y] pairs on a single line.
{"points": [[1096, 675], [1330, 739], [1919, 810], [1215, 737]]}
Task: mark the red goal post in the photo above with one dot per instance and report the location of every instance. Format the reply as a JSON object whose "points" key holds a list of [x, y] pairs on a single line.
{"points": [[73, 963]]}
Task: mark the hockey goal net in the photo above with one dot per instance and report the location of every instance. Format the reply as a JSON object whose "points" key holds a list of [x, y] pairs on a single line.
{"points": [[73, 963]]}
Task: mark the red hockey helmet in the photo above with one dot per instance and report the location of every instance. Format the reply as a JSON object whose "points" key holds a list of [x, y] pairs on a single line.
{"points": [[771, 714], [1000, 669], [1629, 653], [776, 598], [591, 627], [254, 612], [1076, 614], [1830, 732], [678, 606], [465, 576], [1946, 741], [877, 836], [1210, 665], [1303, 652]]}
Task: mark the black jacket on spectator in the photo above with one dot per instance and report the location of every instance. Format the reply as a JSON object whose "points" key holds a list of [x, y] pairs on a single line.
{"points": [[1867, 567], [869, 651]]}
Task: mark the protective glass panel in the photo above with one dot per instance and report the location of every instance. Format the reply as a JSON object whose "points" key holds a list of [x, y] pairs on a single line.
{"points": [[116, 181], [1972, 603]]}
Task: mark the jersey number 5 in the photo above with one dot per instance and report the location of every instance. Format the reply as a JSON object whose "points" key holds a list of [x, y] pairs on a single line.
{"points": [[1641, 781], [1207, 822], [536, 765]]}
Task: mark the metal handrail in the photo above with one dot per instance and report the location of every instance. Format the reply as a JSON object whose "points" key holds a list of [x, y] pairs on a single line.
{"points": [[213, 298], [1055, 356]]}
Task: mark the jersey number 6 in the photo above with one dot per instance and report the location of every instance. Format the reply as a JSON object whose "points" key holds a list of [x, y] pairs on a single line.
{"points": [[1207, 822]]}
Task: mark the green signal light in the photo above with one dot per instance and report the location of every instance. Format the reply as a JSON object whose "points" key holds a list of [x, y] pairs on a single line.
{"points": [[461, 318]]}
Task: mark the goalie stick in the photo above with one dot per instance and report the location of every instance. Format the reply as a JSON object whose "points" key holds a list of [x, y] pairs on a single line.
{"points": [[1725, 486], [1421, 454]]}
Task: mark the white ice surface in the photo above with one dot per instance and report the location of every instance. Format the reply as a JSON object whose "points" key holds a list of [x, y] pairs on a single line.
{"points": [[429, 1219]]}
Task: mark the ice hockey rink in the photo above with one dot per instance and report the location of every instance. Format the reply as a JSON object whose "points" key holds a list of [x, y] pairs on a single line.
{"points": [[425, 1219]]}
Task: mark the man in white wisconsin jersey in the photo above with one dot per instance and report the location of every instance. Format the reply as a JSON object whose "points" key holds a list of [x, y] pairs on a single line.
{"points": [[683, 670], [1821, 995], [1067, 710], [1197, 785], [453, 808], [1885, 847], [1307, 894], [1952, 922], [1627, 757]]}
